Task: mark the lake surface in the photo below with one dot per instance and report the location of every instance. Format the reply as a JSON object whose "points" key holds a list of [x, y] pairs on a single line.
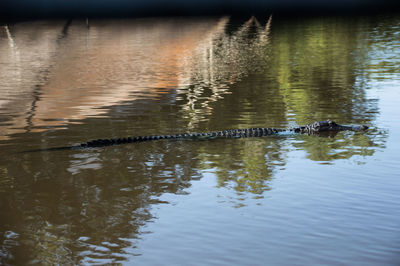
{"points": [[279, 200]]}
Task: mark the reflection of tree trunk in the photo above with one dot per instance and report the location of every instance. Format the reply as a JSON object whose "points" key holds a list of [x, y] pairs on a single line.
{"points": [[46, 72], [9, 36], [31, 112]]}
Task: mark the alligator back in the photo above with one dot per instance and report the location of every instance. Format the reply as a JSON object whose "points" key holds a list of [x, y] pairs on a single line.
{"points": [[234, 133]]}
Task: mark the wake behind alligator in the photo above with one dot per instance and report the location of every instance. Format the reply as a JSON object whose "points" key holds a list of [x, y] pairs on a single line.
{"points": [[316, 128]]}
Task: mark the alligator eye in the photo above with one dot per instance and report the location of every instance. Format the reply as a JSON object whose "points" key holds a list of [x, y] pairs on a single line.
{"points": [[316, 127], [332, 123]]}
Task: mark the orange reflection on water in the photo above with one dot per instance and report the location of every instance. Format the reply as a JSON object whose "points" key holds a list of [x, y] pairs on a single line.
{"points": [[89, 68], [60, 73]]}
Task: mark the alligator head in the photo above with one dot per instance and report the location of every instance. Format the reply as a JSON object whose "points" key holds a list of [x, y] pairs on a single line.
{"points": [[329, 126]]}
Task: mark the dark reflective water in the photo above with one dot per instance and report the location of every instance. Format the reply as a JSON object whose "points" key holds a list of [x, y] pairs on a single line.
{"points": [[287, 200]]}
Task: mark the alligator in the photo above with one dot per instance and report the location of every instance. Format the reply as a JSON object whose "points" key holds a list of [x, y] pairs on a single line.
{"points": [[316, 128]]}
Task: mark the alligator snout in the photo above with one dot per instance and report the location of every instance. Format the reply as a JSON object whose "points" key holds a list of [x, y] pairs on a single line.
{"points": [[359, 128]]}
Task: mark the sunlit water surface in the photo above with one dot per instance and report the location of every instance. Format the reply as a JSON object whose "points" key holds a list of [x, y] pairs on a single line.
{"points": [[283, 200]]}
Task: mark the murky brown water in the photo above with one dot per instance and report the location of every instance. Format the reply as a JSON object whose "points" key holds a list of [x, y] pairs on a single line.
{"points": [[283, 200]]}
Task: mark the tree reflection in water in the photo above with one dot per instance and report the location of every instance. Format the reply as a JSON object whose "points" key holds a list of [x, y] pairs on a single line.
{"points": [[220, 60], [91, 206]]}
